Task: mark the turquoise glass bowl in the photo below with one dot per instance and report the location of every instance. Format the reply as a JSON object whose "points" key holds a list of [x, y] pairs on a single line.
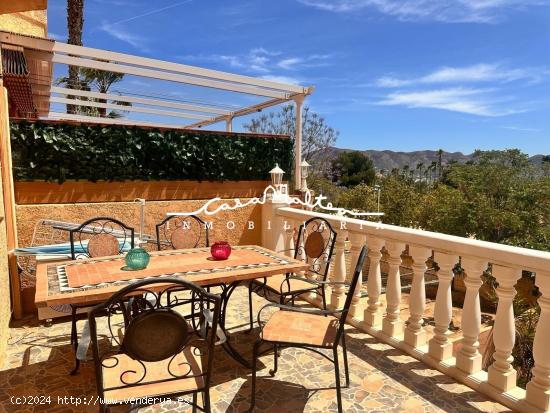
{"points": [[137, 259]]}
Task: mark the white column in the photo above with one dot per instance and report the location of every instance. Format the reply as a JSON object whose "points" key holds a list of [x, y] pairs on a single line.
{"points": [[501, 373], [538, 389], [299, 100], [372, 315], [392, 324], [357, 241], [273, 231], [415, 335], [229, 124], [339, 272], [440, 348], [468, 358], [289, 239]]}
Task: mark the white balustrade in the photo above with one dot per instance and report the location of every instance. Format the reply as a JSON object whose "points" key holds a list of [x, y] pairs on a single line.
{"points": [[392, 324], [415, 335], [501, 373], [468, 358], [338, 295], [372, 315], [357, 241], [507, 264], [440, 348], [538, 389]]}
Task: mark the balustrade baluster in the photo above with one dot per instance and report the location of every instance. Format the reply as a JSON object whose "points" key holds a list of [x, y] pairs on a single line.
{"points": [[501, 373], [392, 324], [440, 348], [339, 271], [468, 358], [538, 389], [357, 241], [372, 315], [415, 335], [289, 238]]}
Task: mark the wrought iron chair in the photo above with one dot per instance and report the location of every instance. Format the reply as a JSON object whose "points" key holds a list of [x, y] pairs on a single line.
{"points": [[314, 245], [156, 353], [310, 329], [96, 237], [100, 237], [180, 232]]}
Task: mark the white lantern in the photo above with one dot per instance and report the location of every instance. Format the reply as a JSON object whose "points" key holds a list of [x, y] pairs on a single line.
{"points": [[276, 176]]}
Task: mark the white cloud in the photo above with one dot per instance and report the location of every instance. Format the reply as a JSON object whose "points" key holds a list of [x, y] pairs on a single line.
{"points": [[290, 63], [57, 36], [471, 101], [261, 61], [283, 79], [449, 11], [482, 72], [123, 35], [521, 129]]}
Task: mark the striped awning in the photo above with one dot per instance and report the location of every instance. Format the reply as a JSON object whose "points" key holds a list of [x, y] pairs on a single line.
{"points": [[15, 75]]}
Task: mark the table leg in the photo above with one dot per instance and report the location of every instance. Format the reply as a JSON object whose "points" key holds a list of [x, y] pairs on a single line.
{"points": [[74, 339], [227, 291]]}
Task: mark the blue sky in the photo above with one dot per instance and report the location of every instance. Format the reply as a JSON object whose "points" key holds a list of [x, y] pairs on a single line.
{"points": [[402, 75]]}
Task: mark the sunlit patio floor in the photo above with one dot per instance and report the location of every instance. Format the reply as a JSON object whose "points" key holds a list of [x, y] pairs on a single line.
{"points": [[383, 379]]}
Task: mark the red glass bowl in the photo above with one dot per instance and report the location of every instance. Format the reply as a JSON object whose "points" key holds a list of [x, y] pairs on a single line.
{"points": [[220, 250]]}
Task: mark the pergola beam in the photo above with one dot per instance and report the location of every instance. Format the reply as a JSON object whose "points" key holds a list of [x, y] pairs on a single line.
{"points": [[108, 121], [106, 55], [93, 104], [173, 77], [140, 100], [241, 112]]}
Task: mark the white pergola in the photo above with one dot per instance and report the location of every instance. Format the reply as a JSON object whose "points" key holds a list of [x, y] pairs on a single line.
{"points": [[196, 115]]}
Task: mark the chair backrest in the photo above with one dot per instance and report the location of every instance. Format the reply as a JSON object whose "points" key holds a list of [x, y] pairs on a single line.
{"points": [[151, 331], [180, 232], [315, 245], [100, 237], [352, 286]]}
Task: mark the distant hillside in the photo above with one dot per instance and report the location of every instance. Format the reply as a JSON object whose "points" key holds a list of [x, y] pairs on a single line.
{"points": [[389, 159]]}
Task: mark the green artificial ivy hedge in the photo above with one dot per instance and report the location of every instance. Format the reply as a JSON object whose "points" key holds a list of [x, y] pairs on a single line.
{"points": [[57, 152]]}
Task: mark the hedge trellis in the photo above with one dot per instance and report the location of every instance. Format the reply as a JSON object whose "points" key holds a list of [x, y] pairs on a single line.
{"points": [[57, 152]]}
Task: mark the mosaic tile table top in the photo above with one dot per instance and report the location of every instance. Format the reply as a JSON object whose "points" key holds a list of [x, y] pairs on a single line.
{"points": [[90, 280], [383, 379]]}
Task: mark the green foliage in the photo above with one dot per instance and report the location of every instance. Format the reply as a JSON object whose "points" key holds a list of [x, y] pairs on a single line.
{"points": [[352, 168], [56, 152], [498, 197]]}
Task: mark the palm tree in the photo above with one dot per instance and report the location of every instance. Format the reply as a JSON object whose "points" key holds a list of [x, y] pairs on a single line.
{"points": [[75, 21], [102, 81], [439, 162], [433, 168], [419, 167]]}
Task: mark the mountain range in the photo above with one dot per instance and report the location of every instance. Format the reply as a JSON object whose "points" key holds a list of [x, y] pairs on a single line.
{"points": [[390, 159]]}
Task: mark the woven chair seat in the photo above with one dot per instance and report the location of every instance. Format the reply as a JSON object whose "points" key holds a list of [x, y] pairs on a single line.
{"points": [[301, 328]]}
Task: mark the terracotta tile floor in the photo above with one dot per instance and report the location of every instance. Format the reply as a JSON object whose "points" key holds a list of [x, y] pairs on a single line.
{"points": [[383, 379]]}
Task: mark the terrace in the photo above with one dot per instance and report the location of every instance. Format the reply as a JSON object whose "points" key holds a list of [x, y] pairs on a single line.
{"points": [[399, 358]]}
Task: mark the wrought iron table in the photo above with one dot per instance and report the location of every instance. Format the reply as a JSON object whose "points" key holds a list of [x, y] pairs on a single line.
{"points": [[82, 283]]}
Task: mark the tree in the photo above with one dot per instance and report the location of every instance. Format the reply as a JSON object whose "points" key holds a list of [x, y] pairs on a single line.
{"points": [[75, 21], [439, 162], [353, 168], [317, 136], [98, 81], [419, 167]]}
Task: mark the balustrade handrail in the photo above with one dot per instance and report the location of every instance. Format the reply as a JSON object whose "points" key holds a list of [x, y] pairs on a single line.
{"points": [[505, 255]]}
